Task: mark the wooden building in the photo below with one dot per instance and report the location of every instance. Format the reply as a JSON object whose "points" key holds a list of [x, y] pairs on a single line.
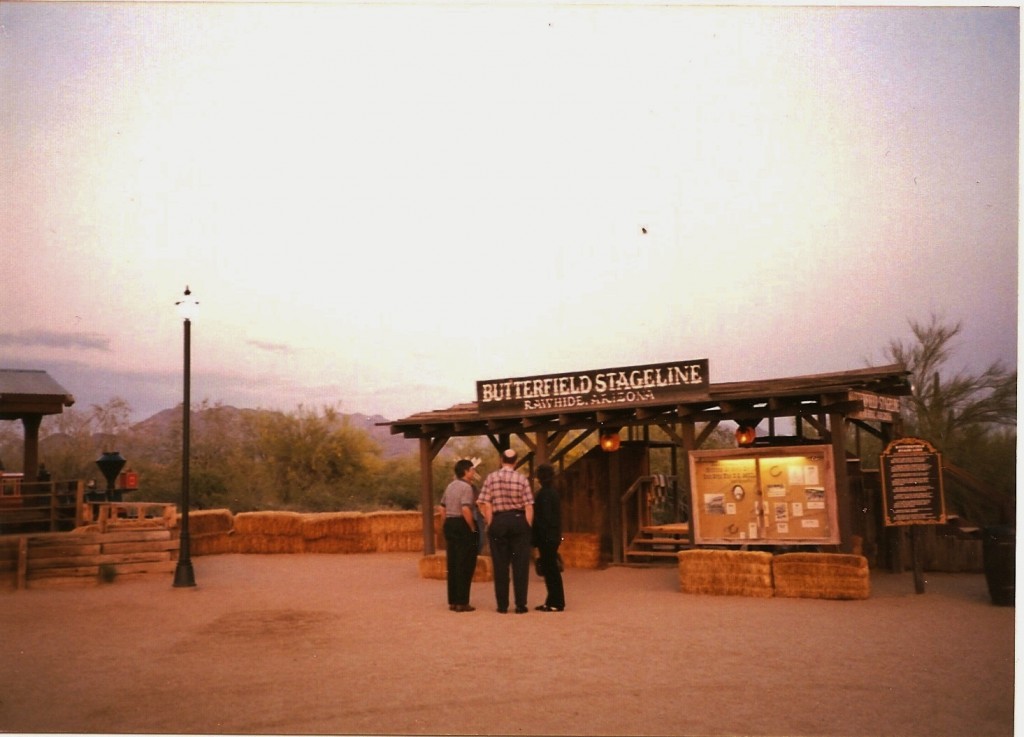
{"points": [[609, 491], [27, 395]]}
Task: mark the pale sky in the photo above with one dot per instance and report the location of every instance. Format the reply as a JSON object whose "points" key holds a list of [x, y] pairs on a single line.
{"points": [[377, 205]]}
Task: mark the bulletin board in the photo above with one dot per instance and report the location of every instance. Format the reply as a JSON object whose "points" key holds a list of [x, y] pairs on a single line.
{"points": [[779, 495]]}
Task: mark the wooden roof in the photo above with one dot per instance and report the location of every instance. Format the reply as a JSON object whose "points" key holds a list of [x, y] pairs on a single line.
{"points": [[31, 392], [739, 401]]}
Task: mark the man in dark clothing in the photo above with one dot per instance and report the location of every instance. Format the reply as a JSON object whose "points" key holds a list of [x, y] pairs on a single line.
{"points": [[460, 536], [506, 501], [547, 536]]}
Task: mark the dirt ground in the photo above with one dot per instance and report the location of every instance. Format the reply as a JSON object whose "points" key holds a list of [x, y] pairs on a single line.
{"points": [[360, 644]]}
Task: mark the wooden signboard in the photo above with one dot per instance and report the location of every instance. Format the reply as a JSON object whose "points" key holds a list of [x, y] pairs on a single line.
{"points": [[779, 495], [912, 483], [875, 407], [605, 389]]}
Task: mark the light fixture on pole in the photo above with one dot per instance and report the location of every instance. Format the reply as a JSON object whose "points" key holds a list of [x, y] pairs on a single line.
{"points": [[183, 573]]}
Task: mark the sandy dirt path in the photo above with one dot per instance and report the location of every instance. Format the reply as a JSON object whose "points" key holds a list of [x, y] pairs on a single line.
{"points": [[360, 644]]}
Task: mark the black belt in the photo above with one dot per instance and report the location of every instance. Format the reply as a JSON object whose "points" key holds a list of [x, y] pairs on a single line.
{"points": [[508, 511]]}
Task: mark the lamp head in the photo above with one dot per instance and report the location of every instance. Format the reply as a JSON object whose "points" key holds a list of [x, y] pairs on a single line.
{"points": [[187, 306]]}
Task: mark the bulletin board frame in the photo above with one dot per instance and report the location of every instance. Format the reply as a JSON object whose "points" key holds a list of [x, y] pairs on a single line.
{"points": [[781, 495]]}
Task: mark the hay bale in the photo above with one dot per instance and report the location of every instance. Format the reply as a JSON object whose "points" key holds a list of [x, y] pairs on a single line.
{"points": [[399, 542], [484, 569], [725, 572], [822, 576], [211, 543], [385, 523], [580, 550], [334, 524], [256, 543], [436, 566], [340, 544], [209, 521], [269, 523]]}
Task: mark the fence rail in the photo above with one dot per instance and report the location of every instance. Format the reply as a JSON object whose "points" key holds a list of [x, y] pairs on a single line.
{"points": [[40, 506]]}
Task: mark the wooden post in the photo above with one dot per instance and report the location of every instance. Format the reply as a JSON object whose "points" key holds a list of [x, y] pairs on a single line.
{"points": [[542, 453], [79, 503], [844, 503], [427, 495], [30, 465], [688, 431], [615, 505], [917, 552]]}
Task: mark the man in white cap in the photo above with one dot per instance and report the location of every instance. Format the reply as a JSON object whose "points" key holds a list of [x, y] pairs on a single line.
{"points": [[506, 501]]}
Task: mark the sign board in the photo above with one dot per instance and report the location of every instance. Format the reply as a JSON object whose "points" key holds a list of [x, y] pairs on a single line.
{"points": [[876, 407], [662, 383], [779, 495], [912, 483]]}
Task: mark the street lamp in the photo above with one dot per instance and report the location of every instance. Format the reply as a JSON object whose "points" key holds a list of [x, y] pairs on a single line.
{"points": [[183, 573]]}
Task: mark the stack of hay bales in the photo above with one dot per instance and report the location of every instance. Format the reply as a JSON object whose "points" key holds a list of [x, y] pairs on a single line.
{"points": [[336, 532], [822, 576], [210, 531], [580, 550], [725, 572], [436, 566], [268, 532], [395, 532]]}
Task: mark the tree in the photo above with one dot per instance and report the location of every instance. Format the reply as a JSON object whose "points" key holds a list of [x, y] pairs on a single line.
{"points": [[946, 411], [970, 418]]}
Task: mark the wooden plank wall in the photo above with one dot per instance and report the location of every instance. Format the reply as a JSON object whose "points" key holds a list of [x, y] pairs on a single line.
{"points": [[33, 561]]}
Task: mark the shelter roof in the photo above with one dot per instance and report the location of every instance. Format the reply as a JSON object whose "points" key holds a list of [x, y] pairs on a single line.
{"points": [[31, 392], [740, 401]]}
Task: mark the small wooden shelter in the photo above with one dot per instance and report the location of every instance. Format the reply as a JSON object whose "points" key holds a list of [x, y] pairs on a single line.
{"points": [[554, 414], [27, 395]]}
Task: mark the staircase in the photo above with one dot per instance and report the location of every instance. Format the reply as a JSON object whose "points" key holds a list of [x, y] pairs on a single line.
{"points": [[659, 541], [645, 506]]}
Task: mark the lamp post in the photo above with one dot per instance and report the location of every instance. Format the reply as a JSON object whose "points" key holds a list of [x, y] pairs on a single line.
{"points": [[183, 573]]}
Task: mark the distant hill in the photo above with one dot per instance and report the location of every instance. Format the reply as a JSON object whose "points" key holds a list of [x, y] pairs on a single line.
{"points": [[392, 446]]}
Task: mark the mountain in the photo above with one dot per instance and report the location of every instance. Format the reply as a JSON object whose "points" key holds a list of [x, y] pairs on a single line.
{"points": [[392, 446]]}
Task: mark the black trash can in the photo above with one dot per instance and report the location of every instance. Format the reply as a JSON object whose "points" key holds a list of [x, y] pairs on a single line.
{"points": [[999, 550]]}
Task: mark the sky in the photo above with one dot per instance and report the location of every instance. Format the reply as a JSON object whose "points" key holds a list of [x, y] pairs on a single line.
{"points": [[378, 204]]}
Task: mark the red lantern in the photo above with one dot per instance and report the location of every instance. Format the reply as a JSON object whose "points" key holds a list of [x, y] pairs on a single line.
{"points": [[745, 436], [610, 441]]}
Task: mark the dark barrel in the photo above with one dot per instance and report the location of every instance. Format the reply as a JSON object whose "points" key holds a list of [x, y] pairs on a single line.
{"points": [[999, 550]]}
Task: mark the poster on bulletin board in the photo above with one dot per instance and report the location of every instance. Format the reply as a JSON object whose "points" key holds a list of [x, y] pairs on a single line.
{"points": [[777, 495]]}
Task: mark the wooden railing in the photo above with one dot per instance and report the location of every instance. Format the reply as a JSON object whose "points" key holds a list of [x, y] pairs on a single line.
{"points": [[41, 506]]}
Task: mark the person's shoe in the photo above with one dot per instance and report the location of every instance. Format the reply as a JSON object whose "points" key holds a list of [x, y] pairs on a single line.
{"points": [[546, 608], [521, 610], [451, 607], [502, 611], [463, 608]]}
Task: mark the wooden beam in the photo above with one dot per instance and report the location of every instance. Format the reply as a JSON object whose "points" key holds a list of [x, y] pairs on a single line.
{"points": [[502, 427], [817, 425], [615, 418], [527, 441], [671, 432], [705, 433], [868, 428], [558, 455]]}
